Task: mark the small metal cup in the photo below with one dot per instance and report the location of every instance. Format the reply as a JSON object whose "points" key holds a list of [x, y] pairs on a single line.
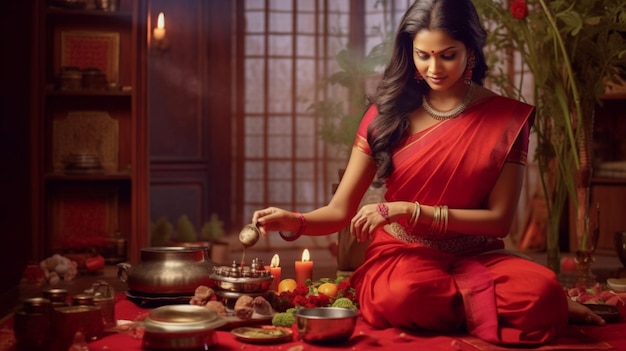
{"points": [[56, 296]]}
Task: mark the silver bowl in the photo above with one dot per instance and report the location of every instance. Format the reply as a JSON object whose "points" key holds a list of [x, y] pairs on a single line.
{"points": [[620, 246], [242, 284], [181, 327], [328, 325]]}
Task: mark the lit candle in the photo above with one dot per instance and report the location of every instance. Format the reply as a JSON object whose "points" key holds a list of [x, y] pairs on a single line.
{"points": [[304, 268], [275, 271], [159, 32]]}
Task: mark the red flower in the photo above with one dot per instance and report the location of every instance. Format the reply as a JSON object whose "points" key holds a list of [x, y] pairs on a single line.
{"points": [[308, 296], [519, 9]]}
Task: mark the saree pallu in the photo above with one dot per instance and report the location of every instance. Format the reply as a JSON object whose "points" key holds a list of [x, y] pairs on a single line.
{"points": [[454, 282]]}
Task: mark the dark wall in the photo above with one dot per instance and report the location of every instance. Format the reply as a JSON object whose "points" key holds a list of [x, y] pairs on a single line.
{"points": [[189, 109], [15, 222]]}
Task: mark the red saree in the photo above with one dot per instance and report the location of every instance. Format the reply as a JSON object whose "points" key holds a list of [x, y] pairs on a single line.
{"points": [[458, 282]]}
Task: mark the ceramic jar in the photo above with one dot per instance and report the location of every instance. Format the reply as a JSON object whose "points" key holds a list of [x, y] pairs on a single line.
{"points": [[175, 271]]}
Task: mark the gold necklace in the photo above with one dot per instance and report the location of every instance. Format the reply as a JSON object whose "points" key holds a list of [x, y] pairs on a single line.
{"points": [[442, 116]]}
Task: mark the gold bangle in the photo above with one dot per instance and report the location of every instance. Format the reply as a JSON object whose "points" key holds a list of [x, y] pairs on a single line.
{"points": [[436, 214], [415, 215], [445, 219]]}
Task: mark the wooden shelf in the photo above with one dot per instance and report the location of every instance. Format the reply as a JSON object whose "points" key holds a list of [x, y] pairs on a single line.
{"points": [[110, 123], [68, 12], [614, 96], [78, 93], [87, 177], [608, 181]]}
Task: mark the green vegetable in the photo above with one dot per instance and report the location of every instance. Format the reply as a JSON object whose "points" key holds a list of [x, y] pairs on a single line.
{"points": [[284, 319], [344, 302]]}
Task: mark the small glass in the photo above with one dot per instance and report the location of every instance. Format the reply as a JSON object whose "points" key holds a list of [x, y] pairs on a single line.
{"points": [[588, 241]]}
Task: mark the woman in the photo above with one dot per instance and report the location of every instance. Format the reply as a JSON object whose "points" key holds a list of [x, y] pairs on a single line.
{"points": [[452, 155]]}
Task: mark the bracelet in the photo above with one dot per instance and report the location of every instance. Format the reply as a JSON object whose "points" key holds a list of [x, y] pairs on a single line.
{"points": [[383, 210], [415, 215], [440, 219], [296, 235], [436, 219], [445, 219]]}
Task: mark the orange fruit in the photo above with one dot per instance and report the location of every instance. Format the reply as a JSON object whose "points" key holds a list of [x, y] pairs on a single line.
{"points": [[286, 285], [328, 289]]}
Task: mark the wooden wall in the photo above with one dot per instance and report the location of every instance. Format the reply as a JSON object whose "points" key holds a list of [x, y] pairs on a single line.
{"points": [[189, 111]]}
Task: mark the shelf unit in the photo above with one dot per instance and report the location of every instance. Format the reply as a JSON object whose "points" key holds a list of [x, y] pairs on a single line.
{"points": [[80, 210], [608, 192]]}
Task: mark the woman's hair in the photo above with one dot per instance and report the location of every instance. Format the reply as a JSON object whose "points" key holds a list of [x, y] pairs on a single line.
{"points": [[398, 93]]}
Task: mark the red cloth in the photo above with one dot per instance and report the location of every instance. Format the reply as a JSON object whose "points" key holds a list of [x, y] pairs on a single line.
{"points": [[365, 337], [420, 279]]}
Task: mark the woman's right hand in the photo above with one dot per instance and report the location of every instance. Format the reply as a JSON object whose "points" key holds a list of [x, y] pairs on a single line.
{"points": [[275, 219]]}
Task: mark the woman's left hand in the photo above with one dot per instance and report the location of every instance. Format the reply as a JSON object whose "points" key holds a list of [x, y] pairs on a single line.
{"points": [[364, 224]]}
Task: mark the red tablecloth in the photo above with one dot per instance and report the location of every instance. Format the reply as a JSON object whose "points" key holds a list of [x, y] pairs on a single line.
{"points": [[609, 337], [612, 336]]}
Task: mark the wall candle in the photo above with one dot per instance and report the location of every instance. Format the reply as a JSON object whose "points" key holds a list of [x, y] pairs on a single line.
{"points": [[159, 32], [304, 268], [275, 271]]}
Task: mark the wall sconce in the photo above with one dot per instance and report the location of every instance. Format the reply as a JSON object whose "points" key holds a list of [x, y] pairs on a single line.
{"points": [[159, 40]]}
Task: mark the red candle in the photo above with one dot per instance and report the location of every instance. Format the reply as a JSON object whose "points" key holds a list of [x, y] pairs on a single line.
{"points": [[304, 268], [275, 271]]}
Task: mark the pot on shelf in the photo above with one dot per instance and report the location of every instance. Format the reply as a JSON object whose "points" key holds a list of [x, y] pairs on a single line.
{"points": [[175, 271]]}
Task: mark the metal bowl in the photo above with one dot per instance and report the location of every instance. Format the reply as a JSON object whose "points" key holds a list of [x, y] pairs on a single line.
{"points": [[328, 325], [242, 284], [620, 246], [181, 327]]}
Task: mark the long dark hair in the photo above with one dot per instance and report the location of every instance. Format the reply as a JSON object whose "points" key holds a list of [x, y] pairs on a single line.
{"points": [[398, 93]]}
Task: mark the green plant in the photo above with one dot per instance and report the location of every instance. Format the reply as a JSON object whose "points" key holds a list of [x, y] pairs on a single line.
{"points": [[340, 116], [185, 231], [572, 50], [213, 229], [161, 230]]}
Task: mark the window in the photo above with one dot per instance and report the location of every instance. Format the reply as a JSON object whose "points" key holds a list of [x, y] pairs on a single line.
{"points": [[286, 50]]}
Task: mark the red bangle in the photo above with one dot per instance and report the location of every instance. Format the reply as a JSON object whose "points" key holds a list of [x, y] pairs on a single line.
{"points": [[383, 210], [292, 236]]}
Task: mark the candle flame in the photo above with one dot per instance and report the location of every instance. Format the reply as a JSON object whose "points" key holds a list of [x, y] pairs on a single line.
{"points": [[306, 256], [161, 21], [275, 261]]}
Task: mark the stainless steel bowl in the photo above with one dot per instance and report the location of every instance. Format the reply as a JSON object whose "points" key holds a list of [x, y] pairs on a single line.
{"points": [[181, 327], [329, 325]]}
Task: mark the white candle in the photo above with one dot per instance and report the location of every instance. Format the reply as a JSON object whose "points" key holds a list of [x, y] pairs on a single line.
{"points": [[159, 32]]}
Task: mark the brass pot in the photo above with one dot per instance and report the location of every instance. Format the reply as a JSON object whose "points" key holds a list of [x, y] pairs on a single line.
{"points": [[175, 271]]}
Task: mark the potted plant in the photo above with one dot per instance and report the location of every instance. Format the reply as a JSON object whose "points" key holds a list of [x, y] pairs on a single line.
{"points": [[211, 236], [340, 116], [213, 232], [573, 49], [160, 232]]}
